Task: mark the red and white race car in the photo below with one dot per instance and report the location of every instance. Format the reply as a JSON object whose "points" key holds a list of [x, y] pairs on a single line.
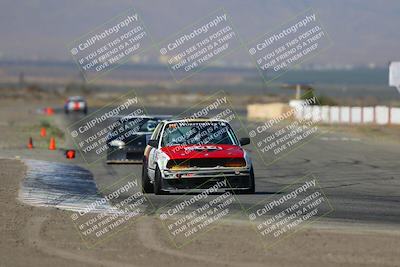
{"points": [[192, 154], [75, 103]]}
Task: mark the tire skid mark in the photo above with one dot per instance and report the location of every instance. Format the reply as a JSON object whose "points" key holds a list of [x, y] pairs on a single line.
{"points": [[59, 185]]}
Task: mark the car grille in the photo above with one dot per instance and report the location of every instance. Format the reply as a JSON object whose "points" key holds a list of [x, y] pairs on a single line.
{"points": [[134, 155], [206, 163]]}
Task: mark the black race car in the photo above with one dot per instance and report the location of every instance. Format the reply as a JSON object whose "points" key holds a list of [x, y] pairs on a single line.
{"points": [[129, 137]]}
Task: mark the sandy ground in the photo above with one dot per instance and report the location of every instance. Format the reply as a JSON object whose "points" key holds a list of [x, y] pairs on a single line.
{"points": [[19, 120], [32, 236]]}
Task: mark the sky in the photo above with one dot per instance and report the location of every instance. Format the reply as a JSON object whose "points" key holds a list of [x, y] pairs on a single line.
{"points": [[362, 31]]}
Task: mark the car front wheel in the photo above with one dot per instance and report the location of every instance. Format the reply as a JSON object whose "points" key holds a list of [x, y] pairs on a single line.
{"points": [[157, 183], [146, 185], [252, 187]]}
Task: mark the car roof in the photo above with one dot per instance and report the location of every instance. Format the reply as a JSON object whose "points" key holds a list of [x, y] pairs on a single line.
{"points": [[75, 98], [143, 116], [195, 120]]}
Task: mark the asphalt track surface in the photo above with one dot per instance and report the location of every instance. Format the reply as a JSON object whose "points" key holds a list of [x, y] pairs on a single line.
{"points": [[360, 177]]}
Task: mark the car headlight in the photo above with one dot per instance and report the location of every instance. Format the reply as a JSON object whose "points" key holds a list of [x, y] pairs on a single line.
{"points": [[177, 165], [117, 143]]}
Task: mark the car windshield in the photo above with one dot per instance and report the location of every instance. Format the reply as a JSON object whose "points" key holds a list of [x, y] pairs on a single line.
{"points": [[128, 127], [189, 133], [75, 98], [140, 124]]}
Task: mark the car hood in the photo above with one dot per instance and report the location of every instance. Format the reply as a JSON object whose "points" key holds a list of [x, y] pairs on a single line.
{"points": [[203, 151], [135, 139]]}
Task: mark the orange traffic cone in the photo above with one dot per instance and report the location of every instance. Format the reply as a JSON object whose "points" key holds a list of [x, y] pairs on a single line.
{"points": [[30, 143], [49, 111], [52, 145], [43, 132]]}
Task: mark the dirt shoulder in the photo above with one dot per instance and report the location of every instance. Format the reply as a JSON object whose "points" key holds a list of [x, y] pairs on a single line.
{"points": [[18, 246], [46, 237], [21, 119]]}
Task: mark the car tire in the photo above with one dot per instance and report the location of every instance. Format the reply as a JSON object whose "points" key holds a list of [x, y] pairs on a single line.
{"points": [[252, 188], [157, 183], [147, 187], [66, 111]]}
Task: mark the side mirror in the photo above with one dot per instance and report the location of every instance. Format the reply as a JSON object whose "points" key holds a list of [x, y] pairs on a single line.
{"points": [[153, 143], [244, 141]]}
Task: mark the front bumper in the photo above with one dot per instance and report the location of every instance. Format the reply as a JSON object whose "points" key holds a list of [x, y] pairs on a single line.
{"points": [[202, 178]]}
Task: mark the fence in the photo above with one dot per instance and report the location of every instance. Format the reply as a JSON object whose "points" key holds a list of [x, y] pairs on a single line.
{"points": [[345, 114]]}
